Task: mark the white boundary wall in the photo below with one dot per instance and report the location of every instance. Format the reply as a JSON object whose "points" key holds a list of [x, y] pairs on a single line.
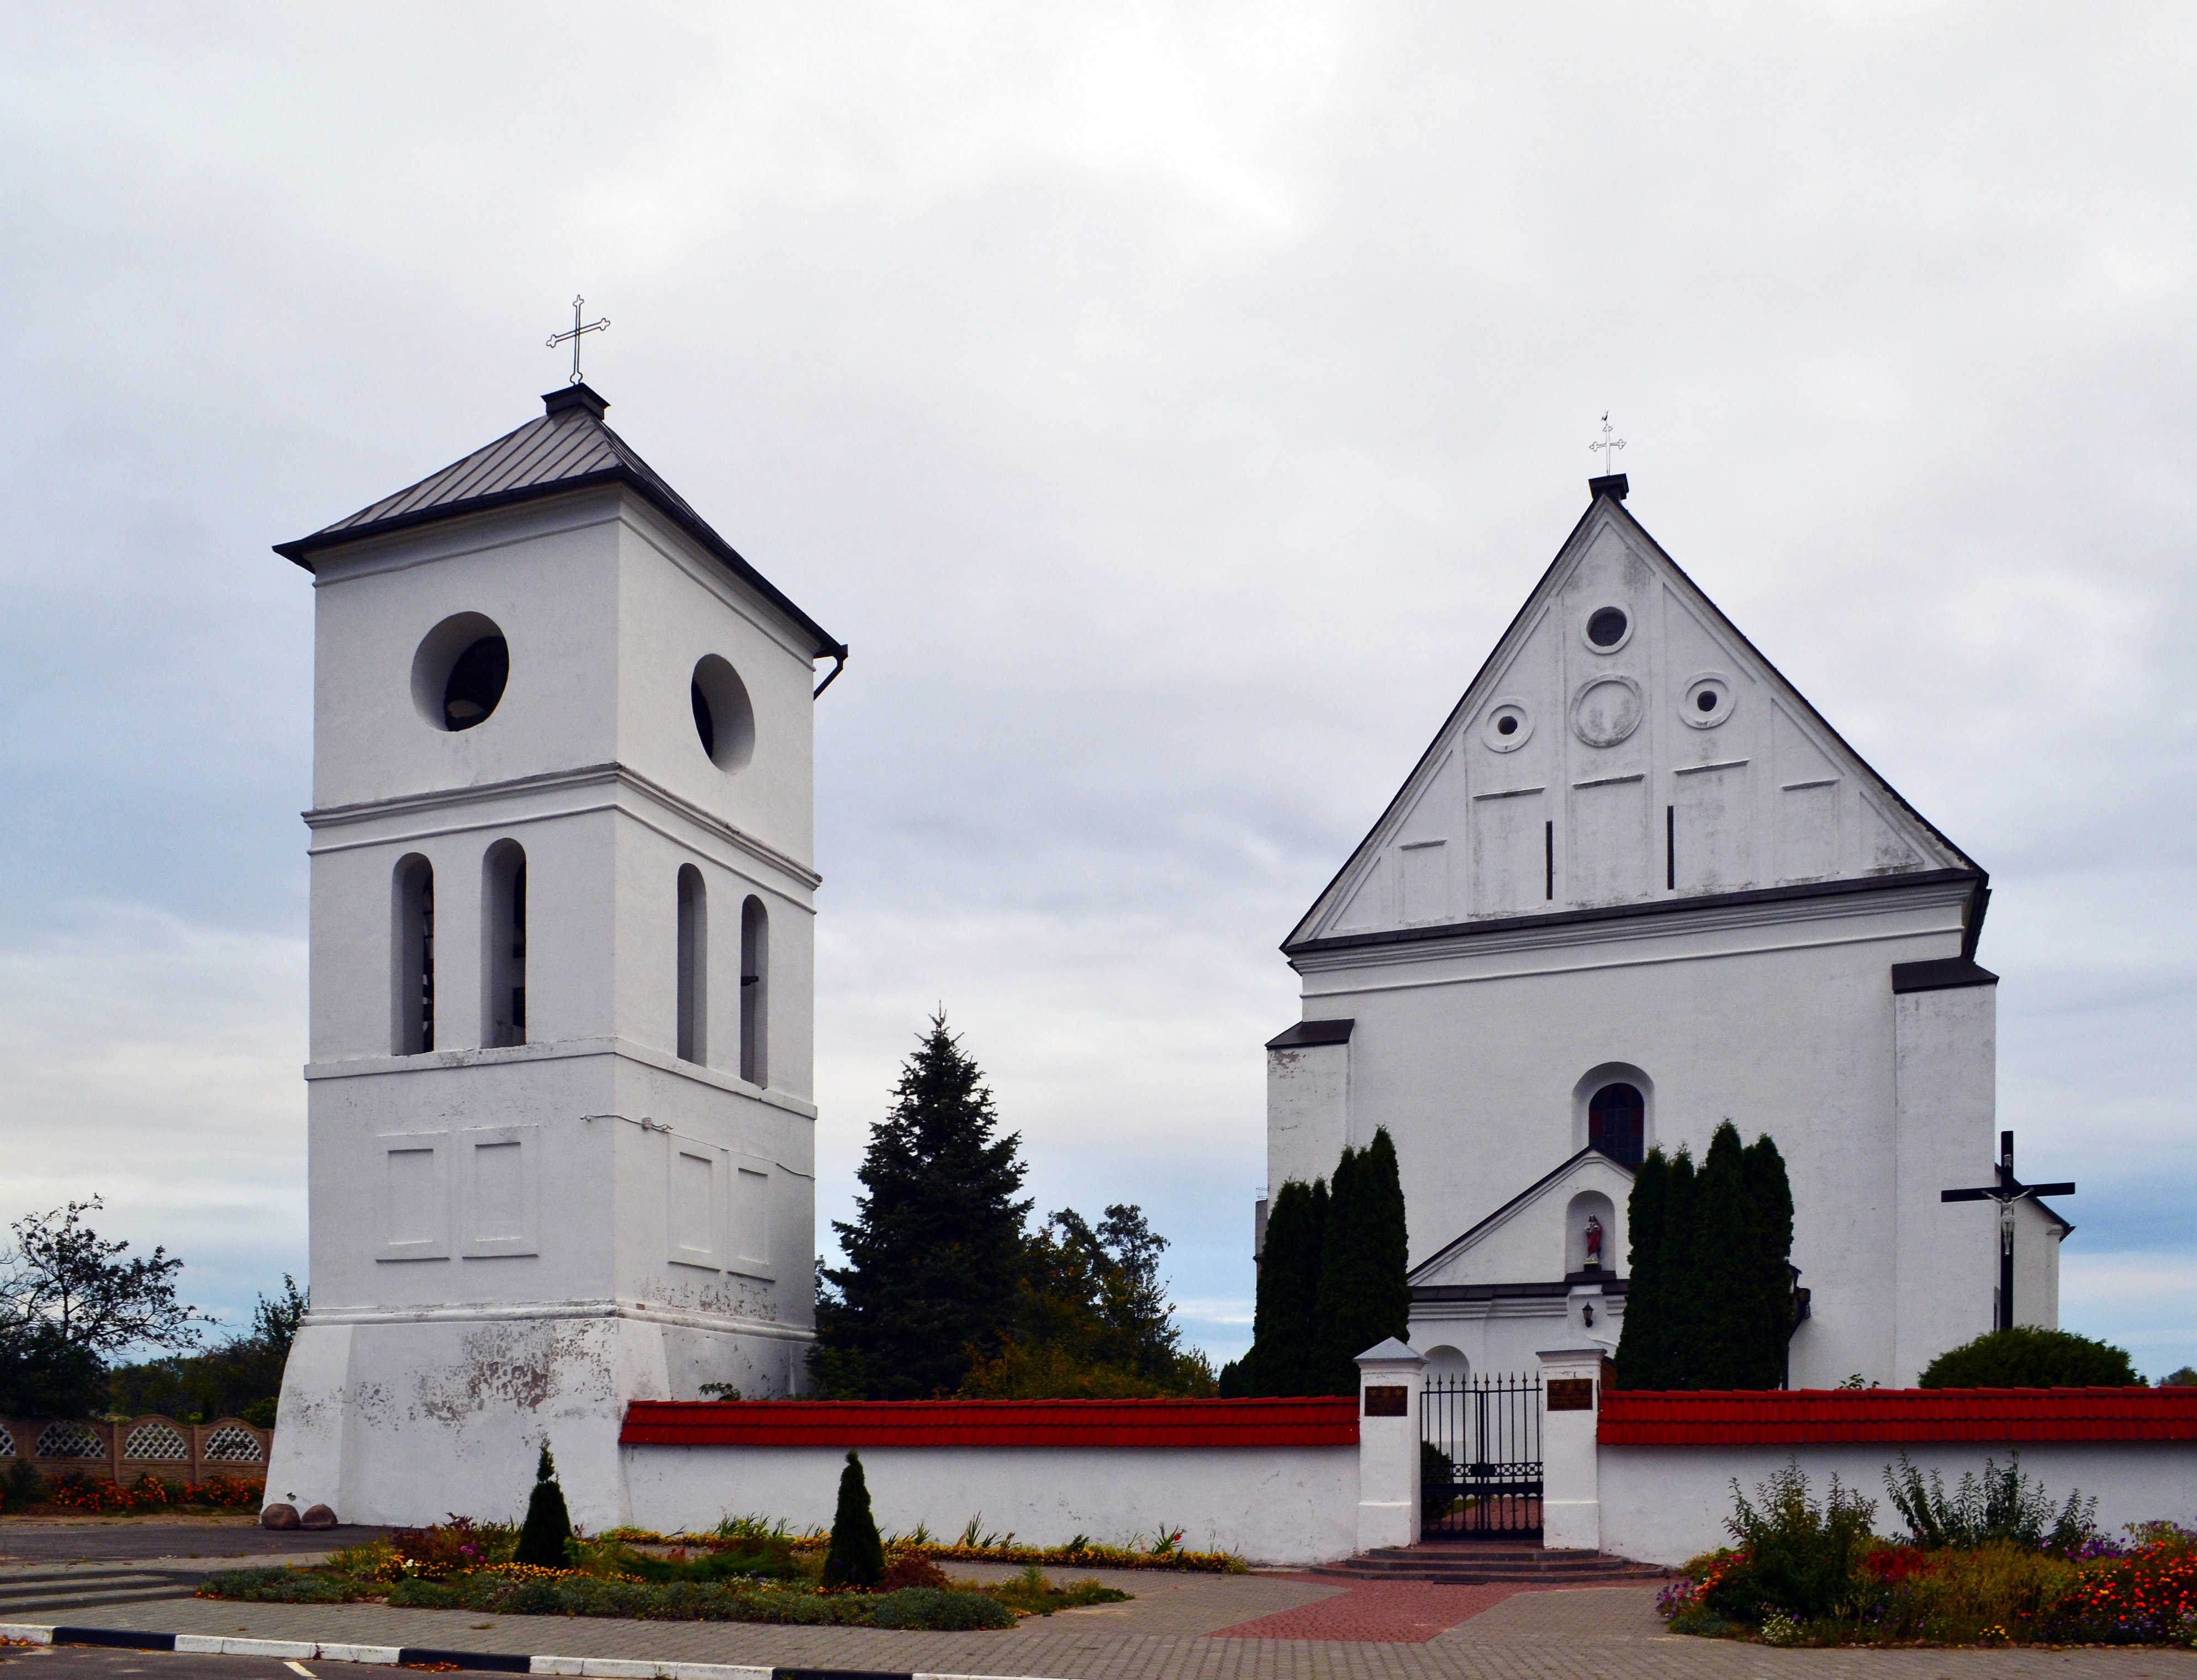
{"points": [[1271, 1504], [1664, 1504]]}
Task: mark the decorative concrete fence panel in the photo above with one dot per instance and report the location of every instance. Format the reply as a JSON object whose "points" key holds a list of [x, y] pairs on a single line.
{"points": [[1665, 1463], [1276, 1481], [124, 1451]]}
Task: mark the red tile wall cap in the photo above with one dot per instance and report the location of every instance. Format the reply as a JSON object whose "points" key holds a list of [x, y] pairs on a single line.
{"points": [[1322, 1422], [1791, 1417]]}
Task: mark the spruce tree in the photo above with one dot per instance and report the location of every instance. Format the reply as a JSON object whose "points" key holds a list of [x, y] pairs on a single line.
{"points": [[1642, 1352], [1723, 1278], [1364, 1298], [1288, 1291], [1770, 1202], [856, 1556], [548, 1527], [1679, 1308], [934, 1252]]}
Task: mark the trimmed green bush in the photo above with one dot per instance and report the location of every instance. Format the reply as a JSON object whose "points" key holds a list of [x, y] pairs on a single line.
{"points": [[546, 1540], [1288, 1291], [2025, 1358], [1794, 1557], [857, 1556]]}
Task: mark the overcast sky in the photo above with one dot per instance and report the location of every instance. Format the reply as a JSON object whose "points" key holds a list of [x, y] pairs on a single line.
{"points": [[1170, 405]]}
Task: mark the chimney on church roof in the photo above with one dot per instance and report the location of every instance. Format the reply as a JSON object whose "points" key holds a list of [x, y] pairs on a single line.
{"points": [[1613, 485], [584, 397]]}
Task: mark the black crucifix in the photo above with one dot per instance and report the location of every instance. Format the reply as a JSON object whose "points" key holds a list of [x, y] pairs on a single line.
{"points": [[573, 336], [2005, 1192]]}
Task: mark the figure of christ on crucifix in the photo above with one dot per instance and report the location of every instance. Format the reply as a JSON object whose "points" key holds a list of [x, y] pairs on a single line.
{"points": [[2005, 1192]]}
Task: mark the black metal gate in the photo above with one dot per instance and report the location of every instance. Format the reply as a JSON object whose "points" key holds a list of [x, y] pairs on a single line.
{"points": [[1480, 1454]]}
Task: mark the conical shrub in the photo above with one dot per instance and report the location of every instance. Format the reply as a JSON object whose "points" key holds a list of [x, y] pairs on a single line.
{"points": [[549, 1530], [857, 1555]]}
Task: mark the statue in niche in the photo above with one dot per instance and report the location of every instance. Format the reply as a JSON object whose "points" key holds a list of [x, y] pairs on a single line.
{"points": [[1593, 1243]]}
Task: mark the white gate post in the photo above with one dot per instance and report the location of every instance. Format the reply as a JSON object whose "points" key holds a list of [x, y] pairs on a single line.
{"points": [[1570, 1494], [1389, 1379]]}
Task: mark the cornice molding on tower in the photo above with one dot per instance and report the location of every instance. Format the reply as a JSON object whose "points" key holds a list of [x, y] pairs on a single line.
{"points": [[560, 1049], [619, 777], [1795, 908], [607, 1308]]}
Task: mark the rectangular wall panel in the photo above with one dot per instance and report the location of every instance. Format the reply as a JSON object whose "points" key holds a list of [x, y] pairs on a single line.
{"points": [[1422, 879], [1714, 833], [1808, 830], [1508, 853], [1609, 842]]}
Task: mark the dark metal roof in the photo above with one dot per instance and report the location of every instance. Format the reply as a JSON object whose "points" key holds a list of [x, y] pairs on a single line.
{"points": [[1307, 1033], [1943, 974], [568, 448]]}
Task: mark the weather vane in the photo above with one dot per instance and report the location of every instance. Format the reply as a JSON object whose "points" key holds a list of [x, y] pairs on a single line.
{"points": [[604, 326], [1608, 443]]}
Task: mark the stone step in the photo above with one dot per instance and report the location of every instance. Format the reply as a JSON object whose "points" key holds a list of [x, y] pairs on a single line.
{"points": [[1472, 1565], [63, 1599]]}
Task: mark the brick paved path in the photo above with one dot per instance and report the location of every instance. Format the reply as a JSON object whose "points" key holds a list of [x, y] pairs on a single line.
{"points": [[1605, 1633]]}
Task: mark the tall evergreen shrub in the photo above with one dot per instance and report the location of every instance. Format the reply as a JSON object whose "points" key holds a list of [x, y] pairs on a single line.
{"points": [[856, 1557], [1288, 1291], [1769, 1203], [1364, 1298], [1682, 1317], [547, 1532], [1641, 1355], [1721, 1275]]}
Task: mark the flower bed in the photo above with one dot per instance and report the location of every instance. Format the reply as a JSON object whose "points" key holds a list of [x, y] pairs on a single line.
{"points": [[77, 1492], [1165, 1552], [1994, 1563], [466, 1565]]}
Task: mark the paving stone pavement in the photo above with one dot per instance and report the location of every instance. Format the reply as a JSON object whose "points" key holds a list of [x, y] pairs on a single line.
{"points": [[1600, 1633]]}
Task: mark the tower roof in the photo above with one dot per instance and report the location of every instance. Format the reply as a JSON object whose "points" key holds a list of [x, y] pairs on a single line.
{"points": [[570, 448]]}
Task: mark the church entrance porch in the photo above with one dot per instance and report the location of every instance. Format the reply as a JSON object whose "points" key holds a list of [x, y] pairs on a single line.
{"points": [[1479, 1457]]}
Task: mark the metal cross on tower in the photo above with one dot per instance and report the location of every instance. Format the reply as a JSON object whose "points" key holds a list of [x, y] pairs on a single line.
{"points": [[2005, 1192], [1609, 447], [573, 336]]}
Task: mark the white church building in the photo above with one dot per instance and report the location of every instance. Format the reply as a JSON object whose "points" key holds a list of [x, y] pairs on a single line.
{"points": [[560, 1101], [1637, 886]]}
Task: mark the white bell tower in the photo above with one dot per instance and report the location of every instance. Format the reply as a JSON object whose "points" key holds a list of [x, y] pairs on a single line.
{"points": [[560, 1101]]}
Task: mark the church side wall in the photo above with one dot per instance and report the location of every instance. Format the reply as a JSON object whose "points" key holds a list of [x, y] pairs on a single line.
{"points": [[1944, 1067], [1271, 1504], [1307, 1112]]}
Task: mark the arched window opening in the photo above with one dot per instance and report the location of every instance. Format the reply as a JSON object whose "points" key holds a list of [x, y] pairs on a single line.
{"points": [[755, 992], [693, 951], [504, 967], [1617, 1123], [412, 952]]}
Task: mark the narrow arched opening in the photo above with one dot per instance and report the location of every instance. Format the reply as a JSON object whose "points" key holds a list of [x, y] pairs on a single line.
{"points": [[694, 957], [755, 992], [412, 953], [1617, 1122], [503, 950]]}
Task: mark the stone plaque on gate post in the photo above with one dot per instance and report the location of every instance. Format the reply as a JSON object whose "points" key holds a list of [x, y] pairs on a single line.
{"points": [[1389, 1380], [1571, 1497]]}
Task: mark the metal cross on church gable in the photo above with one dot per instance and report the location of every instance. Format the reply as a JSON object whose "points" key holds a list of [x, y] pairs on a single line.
{"points": [[573, 336], [1607, 448], [2005, 1192]]}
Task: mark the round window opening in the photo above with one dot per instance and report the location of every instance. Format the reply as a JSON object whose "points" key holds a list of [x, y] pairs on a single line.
{"points": [[724, 716], [1506, 725], [461, 671], [1708, 700], [1607, 628]]}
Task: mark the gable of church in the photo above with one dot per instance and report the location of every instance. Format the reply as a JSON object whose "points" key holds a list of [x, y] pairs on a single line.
{"points": [[1623, 744]]}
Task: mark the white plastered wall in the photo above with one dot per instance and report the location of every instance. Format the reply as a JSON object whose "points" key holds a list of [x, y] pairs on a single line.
{"points": [[543, 1279], [1944, 1063]]}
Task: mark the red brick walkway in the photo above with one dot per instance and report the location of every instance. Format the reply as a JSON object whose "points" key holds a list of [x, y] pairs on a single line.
{"points": [[1394, 1612]]}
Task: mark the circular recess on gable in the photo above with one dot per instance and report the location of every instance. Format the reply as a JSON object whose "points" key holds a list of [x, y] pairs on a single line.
{"points": [[724, 716], [1507, 725], [1709, 699], [459, 671], [1606, 710], [1607, 628]]}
